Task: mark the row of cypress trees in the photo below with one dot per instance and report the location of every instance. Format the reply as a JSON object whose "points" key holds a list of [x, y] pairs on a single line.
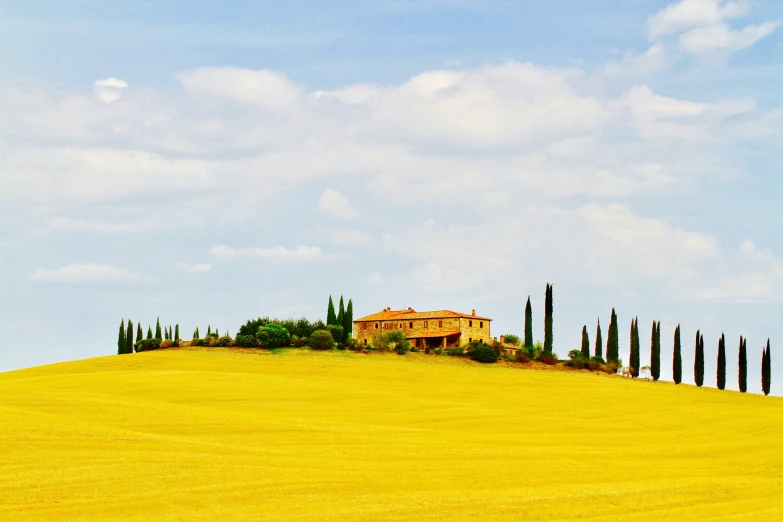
{"points": [[125, 337], [548, 321], [343, 318]]}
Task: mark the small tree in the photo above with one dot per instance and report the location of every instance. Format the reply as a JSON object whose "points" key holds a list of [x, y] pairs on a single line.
{"points": [[511, 339], [321, 340], [743, 365], [209, 330], [176, 332], [348, 322], [635, 362], [677, 357], [585, 343], [341, 317], [528, 325], [158, 331], [331, 317], [129, 338], [698, 365], [548, 310], [397, 342], [121, 339], [336, 331], [613, 340], [766, 369], [721, 378], [599, 343], [655, 351], [273, 336], [195, 333], [149, 332], [139, 335]]}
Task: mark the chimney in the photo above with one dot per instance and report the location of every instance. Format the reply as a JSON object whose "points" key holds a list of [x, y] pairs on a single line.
{"points": [[474, 312], [502, 339]]}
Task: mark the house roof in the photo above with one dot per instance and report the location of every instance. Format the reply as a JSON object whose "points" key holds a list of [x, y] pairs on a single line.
{"points": [[388, 314], [421, 335]]}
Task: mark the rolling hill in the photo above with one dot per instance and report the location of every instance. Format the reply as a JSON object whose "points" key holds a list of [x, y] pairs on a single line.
{"points": [[219, 434]]}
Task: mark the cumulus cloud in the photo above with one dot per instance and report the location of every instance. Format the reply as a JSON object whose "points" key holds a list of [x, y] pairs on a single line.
{"points": [[198, 268], [652, 60], [109, 90], [279, 254], [82, 273], [693, 13], [336, 206], [721, 38]]}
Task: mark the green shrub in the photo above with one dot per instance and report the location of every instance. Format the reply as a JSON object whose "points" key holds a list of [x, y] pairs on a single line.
{"points": [[146, 345], [483, 353], [353, 344], [245, 341], [511, 339], [166, 343], [340, 346], [547, 358], [599, 360], [198, 342], [454, 350], [437, 351], [575, 354], [336, 331], [322, 340], [522, 356], [272, 336], [223, 341]]}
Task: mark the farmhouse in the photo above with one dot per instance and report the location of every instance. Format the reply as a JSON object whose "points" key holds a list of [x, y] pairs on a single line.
{"points": [[438, 328]]}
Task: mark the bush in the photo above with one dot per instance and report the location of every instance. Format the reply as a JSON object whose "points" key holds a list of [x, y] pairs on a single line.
{"points": [[547, 358], [437, 351], [393, 341], [575, 354], [198, 342], [166, 343], [511, 339], [322, 340], [272, 336], [483, 353], [454, 350], [146, 345], [223, 341], [336, 331], [599, 360], [245, 341], [353, 345], [340, 346], [522, 356], [252, 325]]}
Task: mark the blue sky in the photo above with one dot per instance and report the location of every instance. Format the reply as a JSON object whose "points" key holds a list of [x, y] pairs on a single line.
{"points": [[207, 162]]}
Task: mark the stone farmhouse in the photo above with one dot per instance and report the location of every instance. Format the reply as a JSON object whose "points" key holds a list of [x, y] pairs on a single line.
{"points": [[435, 329]]}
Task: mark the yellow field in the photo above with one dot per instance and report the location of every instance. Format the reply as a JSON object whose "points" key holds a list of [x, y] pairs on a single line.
{"points": [[221, 435]]}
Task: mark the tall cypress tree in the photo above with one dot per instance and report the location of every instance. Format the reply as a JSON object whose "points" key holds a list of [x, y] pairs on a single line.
{"points": [[655, 351], [635, 348], [331, 317], [528, 324], [613, 341], [585, 343], [348, 321], [176, 332], [209, 330], [599, 343], [149, 332], [129, 338], [698, 364], [121, 341], [195, 333], [158, 330], [548, 309], [139, 333], [677, 357], [766, 369], [341, 314], [721, 381], [743, 365]]}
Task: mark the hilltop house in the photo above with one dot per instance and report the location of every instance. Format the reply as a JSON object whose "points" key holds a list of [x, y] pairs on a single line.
{"points": [[438, 328]]}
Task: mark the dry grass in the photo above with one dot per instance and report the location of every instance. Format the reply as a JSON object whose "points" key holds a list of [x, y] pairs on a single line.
{"points": [[222, 434]]}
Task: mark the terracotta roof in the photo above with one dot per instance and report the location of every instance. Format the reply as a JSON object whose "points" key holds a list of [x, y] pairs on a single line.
{"points": [[391, 315], [431, 334]]}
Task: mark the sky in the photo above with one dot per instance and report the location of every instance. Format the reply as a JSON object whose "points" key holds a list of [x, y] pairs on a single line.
{"points": [[208, 162]]}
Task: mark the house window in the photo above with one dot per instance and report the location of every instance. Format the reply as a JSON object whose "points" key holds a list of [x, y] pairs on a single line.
{"points": [[365, 342], [426, 324], [410, 325], [481, 324], [440, 324], [376, 326], [470, 324]]}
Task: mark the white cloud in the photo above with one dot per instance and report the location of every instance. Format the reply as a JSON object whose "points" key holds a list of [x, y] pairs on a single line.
{"points": [[81, 273], [694, 13], [721, 38], [652, 60], [198, 268], [109, 90], [336, 206], [89, 225], [347, 236], [277, 254], [375, 277], [261, 88]]}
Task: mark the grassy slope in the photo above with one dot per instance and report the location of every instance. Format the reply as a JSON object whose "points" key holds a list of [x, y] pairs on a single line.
{"points": [[200, 434]]}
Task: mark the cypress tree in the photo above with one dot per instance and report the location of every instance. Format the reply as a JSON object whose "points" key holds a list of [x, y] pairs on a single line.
{"points": [[598, 341], [548, 308], [149, 332], [217, 333], [331, 318], [722, 362], [528, 324], [121, 341], [209, 330], [585, 343], [139, 333], [176, 332], [698, 365], [195, 333], [341, 315], [129, 338], [766, 369], [677, 357], [613, 341], [348, 322], [655, 351], [635, 356], [743, 365], [157, 330]]}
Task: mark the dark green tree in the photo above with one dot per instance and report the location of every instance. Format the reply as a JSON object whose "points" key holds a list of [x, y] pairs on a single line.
{"points": [[348, 322], [613, 341], [209, 330], [158, 330], [195, 333], [331, 317], [635, 362], [149, 332], [698, 364], [129, 338], [599, 343], [176, 332], [548, 309], [121, 340], [341, 316], [585, 343], [721, 381], [528, 325], [766, 369], [139, 335], [655, 351], [677, 357], [743, 365]]}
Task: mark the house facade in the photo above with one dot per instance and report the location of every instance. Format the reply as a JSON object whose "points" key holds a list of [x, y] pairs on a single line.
{"points": [[434, 329]]}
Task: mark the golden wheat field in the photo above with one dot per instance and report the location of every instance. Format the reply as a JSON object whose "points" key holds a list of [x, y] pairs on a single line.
{"points": [[218, 434]]}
